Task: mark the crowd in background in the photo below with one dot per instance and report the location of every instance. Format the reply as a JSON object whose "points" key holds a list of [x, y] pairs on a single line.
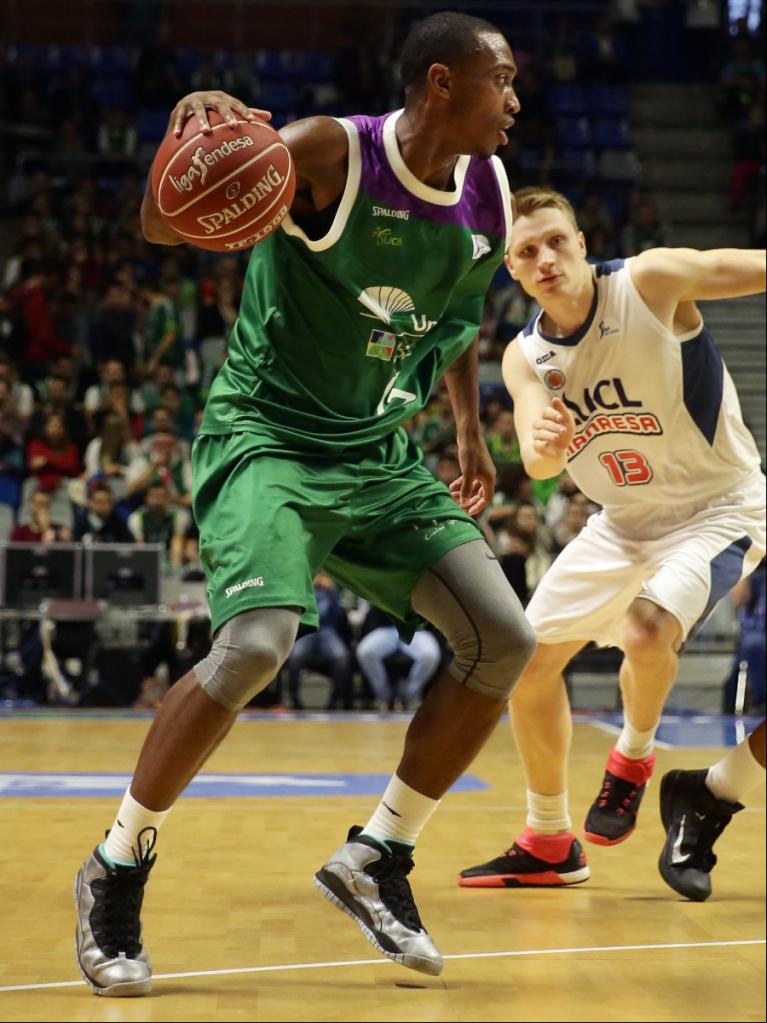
{"points": [[108, 345]]}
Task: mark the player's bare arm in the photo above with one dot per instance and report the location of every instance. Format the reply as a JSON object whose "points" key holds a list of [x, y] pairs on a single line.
{"points": [[475, 486], [670, 280], [545, 426]]}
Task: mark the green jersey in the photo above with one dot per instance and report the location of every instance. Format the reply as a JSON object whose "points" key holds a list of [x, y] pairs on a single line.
{"points": [[340, 340]]}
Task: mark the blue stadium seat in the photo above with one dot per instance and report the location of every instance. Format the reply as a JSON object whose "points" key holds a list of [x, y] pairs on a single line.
{"points": [[113, 60], [611, 133], [567, 101], [27, 53], [574, 132], [113, 92], [188, 60], [607, 101], [277, 65], [278, 97], [151, 125], [317, 66], [62, 58], [579, 163]]}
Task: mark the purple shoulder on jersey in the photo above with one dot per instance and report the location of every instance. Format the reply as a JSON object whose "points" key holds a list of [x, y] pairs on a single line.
{"points": [[480, 208]]}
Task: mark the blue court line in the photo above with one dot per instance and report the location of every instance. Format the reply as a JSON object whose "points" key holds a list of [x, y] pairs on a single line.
{"points": [[47, 784]]}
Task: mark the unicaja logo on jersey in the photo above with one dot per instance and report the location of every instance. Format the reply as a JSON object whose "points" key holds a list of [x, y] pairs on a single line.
{"points": [[384, 303], [385, 236]]}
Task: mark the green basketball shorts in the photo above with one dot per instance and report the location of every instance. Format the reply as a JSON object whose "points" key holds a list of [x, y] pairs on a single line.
{"points": [[268, 523]]}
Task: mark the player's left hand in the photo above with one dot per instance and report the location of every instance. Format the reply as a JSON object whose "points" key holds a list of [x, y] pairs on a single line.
{"points": [[474, 488]]}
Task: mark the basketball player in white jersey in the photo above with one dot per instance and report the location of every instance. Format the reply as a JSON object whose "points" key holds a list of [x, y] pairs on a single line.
{"points": [[618, 380]]}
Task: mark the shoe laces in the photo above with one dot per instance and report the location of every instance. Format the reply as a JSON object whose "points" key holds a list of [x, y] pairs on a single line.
{"points": [[617, 794], [390, 874], [115, 917]]}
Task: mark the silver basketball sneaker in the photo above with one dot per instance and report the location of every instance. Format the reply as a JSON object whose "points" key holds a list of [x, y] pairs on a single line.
{"points": [[108, 901], [369, 882]]}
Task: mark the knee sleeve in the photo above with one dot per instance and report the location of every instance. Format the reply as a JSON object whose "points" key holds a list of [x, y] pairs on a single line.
{"points": [[467, 596], [247, 653]]}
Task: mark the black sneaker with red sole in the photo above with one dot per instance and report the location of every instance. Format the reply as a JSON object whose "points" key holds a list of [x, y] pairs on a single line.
{"points": [[613, 814], [518, 868]]}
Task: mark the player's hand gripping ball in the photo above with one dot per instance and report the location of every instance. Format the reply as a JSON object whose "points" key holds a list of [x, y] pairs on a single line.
{"points": [[226, 190]]}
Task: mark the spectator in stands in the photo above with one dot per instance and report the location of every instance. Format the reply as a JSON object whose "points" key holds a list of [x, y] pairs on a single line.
{"points": [[40, 528], [113, 454], [645, 230], [526, 550], [22, 397], [162, 337], [502, 441], [181, 409], [166, 462], [557, 504], [380, 640], [99, 522], [575, 518], [156, 522], [116, 136], [32, 299], [327, 645], [99, 399], [53, 458], [593, 215], [448, 468], [12, 457], [57, 399], [113, 327]]}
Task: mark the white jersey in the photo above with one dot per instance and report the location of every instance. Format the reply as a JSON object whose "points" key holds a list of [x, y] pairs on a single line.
{"points": [[659, 432]]}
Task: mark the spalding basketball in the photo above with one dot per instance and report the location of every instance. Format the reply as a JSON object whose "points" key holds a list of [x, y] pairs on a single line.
{"points": [[227, 190]]}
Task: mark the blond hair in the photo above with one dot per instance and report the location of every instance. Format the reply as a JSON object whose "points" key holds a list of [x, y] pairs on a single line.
{"points": [[534, 198]]}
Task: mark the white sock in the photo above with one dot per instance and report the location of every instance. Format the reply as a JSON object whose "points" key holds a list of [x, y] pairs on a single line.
{"points": [[736, 774], [548, 814], [123, 844], [401, 815], [634, 744]]}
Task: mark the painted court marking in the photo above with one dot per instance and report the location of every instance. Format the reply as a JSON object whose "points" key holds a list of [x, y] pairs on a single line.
{"points": [[388, 962]]}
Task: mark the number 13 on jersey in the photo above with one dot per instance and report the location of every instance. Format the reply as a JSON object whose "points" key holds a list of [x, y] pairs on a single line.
{"points": [[627, 468]]}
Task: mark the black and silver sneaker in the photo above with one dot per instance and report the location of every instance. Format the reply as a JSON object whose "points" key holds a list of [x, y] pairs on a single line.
{"points": [[693, 818], [108, 900], [368, 881]]}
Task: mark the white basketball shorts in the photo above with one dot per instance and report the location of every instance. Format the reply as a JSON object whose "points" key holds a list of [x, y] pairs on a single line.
{"points": [[587, 591]]}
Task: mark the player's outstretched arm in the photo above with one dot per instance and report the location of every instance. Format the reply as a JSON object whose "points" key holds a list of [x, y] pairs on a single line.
{"points": [[545, 426], [690, 275]]}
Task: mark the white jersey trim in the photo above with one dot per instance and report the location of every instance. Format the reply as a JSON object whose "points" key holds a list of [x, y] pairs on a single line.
{"points": [[406, 177], [503, 184], [289, 226]]}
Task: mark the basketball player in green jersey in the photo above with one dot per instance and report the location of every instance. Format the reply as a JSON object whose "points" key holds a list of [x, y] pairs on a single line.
{"points": [[371, 289]]}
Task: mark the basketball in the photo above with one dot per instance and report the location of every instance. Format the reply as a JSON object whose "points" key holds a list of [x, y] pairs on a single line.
{"points": [[227, 190]]}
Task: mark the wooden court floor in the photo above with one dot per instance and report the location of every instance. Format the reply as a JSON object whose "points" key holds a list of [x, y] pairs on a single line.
{"points": [[236, 930]]}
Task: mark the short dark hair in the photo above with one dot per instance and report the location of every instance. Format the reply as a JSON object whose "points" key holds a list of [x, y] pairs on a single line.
{"points": [[441, 38]]}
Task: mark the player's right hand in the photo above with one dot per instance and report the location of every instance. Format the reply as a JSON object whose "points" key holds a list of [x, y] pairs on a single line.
{"points": [[554, 431], [196, 104]]}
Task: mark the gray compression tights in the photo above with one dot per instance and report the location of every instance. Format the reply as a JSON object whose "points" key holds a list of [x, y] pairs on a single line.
{"points": [[464, 594]]}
